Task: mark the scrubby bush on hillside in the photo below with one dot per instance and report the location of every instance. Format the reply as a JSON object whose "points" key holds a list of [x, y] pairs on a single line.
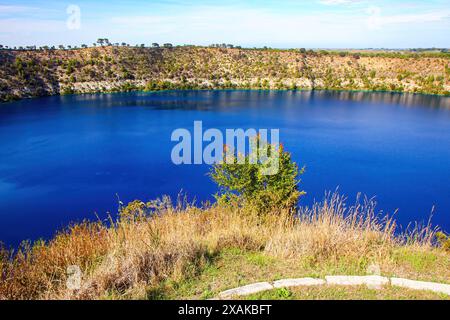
{"points": [[244, 182], [35, 73]]}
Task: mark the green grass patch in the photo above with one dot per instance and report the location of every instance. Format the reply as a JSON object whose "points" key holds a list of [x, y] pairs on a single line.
{"points": [[234, 267], [419, 261], [345, 293]]}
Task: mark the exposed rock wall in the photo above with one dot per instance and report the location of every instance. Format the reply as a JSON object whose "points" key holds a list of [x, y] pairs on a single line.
{"points": [[35, 73]]}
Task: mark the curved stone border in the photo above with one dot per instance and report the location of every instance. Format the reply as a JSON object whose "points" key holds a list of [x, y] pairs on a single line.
{"points": [[421, 285], [372, 282], [246, 290]]}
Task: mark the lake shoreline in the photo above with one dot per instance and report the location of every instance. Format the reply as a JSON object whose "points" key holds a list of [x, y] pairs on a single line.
{"points": [[120, 143], [179, 251], [106, 69], [230, 89]]}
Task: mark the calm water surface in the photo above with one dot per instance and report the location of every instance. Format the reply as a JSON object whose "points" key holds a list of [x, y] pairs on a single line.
{"points": [[68, 158]]}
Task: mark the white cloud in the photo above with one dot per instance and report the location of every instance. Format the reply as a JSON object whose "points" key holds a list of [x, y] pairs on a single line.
{"points": [[337, 2], [243, 26], [253, 27], [12, 26], [416, 18], [4, 9], [376, 20], [240, 25]]}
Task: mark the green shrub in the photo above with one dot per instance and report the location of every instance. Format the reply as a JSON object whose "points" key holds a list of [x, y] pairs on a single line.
{"points": [[67, 90], [443, 240], [243, 181], [284, 293]]}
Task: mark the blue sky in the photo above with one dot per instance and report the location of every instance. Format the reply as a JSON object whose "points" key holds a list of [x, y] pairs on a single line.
{"points": [[275, 23]]}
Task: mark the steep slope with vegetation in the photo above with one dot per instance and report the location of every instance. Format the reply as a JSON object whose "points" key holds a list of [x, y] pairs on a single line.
{"points": [[160, 251], [157, 250], [105, 69]]}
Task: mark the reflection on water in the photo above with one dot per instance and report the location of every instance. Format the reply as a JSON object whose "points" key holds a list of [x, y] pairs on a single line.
{"points": [[66, 158], [403, 99], [205, 100]]}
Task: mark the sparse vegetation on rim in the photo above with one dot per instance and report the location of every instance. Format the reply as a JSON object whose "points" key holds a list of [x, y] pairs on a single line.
{"points": [[30, 73], [160, 250]]}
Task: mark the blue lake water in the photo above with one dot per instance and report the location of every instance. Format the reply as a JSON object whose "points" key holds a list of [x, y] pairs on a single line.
{"points": [[64, 159]]}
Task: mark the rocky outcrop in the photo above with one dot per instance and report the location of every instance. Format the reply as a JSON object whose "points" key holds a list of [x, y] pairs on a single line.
{"points": [[26, 74]]}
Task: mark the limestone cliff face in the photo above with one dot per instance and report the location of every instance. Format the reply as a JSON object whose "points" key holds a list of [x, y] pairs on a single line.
{"points": [[35, 73]]}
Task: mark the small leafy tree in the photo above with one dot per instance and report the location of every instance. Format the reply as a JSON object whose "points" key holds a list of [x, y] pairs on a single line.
{"points": [[244, 182]]}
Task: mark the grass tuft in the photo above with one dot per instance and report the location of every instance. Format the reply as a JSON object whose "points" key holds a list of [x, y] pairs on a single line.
{"points": [[161, 250]]}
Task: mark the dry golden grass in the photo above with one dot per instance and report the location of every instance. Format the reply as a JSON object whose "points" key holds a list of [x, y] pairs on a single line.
{"points": [[157, 242]]}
